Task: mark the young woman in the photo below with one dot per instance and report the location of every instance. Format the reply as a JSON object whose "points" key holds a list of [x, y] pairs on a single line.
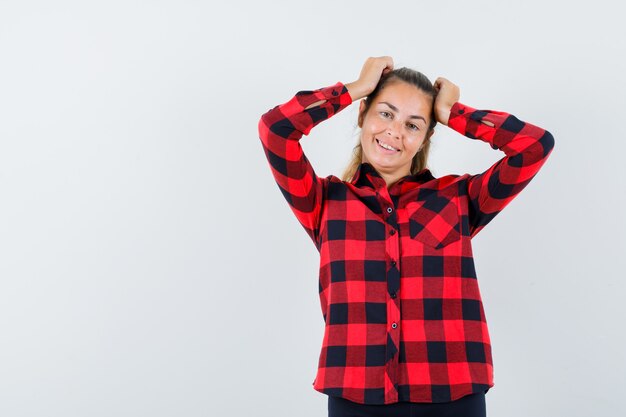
{"points": [[405, 330]]}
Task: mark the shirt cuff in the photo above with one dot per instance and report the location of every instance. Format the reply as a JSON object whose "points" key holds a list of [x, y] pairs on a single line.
{"points": [[337, 93], [464, 118], [336, 98]]}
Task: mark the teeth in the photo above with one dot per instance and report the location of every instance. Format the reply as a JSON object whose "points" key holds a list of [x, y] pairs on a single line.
{"points": [[386, 146]]}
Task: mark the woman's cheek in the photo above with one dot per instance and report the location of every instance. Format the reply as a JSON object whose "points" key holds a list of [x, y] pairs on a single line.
{"points": [[377, 126]]}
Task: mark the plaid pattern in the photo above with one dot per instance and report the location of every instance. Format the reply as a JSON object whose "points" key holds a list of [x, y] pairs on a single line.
{"points": [[404, 320]]}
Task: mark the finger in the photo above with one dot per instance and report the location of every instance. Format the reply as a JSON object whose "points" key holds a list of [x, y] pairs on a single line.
{"points": [[387, 62]]}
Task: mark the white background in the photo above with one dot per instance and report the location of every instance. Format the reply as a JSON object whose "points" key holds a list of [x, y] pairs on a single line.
{"points": [[149, 265]]}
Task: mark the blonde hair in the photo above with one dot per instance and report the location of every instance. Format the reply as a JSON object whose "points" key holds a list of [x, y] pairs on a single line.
{"points": [[420, 81]]}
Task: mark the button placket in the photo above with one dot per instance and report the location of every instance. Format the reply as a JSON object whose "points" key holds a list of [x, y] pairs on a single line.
{"points": [[392, 243]]}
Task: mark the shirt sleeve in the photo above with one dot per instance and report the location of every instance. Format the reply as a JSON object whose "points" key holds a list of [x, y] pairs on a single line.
{"points": [[280, 130], [526, 149]]}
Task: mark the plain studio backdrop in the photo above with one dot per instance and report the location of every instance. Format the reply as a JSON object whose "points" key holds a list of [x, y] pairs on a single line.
{"points": [[150, 266]]}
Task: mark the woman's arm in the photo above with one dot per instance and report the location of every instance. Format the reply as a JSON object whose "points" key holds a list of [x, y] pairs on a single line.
{"points": [[526, 149], [280, 130], [525, 145]]}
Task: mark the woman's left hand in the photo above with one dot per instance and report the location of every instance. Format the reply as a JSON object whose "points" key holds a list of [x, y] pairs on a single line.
{"points": [[448, 93]]}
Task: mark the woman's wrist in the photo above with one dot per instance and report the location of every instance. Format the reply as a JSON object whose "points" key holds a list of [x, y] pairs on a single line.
{"points": [[443, 114], [356, 90]]}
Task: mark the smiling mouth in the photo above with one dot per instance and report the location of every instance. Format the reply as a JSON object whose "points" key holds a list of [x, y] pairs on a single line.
{"points": [[382, 147]]}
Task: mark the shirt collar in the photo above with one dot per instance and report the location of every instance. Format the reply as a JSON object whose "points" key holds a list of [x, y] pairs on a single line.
{"points": [[367, 176]]}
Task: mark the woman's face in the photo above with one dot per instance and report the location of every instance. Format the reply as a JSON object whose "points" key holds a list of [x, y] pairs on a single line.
{"points": [[398, 118]]}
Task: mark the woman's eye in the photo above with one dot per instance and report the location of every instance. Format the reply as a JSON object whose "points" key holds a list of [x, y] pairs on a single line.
{"points": [[385, 114], [413, 127]]}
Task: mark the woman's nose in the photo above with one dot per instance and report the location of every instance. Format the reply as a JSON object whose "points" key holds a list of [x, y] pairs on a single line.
{"points": [[393, 129]]}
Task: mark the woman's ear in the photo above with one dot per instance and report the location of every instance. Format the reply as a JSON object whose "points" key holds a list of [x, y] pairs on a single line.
{"points": [[426, 138], [361, 115], [429, 134]]}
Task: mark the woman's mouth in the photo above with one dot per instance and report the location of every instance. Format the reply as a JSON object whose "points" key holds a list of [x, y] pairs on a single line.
{"points": [[386, 150]]}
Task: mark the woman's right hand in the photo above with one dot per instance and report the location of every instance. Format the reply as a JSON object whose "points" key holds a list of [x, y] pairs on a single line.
{"points": [[373, 69]]}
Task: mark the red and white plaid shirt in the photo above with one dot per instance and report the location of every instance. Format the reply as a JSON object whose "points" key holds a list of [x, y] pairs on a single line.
{"points": [[404, 319]]}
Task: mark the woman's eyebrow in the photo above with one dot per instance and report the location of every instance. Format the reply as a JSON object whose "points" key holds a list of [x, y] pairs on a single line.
{"points": [[394, 108]]}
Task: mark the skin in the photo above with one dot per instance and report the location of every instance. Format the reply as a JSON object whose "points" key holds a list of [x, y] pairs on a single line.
{"points": [[398, 117], [395, 125]]}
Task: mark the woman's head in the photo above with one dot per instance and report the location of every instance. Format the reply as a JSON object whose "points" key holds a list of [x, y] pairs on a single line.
{"points": [[398, 113]]}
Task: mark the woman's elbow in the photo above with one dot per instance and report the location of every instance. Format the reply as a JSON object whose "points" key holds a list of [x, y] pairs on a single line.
{"points": [[547, 141]]}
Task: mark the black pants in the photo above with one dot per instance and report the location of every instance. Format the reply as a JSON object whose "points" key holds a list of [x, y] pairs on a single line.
{"points": [[472, 405]]}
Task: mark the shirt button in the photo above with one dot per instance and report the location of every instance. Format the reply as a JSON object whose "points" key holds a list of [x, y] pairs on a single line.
{"points": [[335, 93], [461, 111], [392, 232], [389, 209], [393, 294], [394, 325], [393, 263]]}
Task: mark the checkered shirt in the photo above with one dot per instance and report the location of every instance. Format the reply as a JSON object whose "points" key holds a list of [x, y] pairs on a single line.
{"points": [[404, 319]]}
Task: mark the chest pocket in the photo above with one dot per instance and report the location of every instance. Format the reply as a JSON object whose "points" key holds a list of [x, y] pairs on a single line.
{"points": [[434, 217]]}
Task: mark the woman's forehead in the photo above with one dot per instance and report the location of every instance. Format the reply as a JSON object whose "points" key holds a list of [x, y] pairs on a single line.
{"points": [[404, 97], [403, 89]]}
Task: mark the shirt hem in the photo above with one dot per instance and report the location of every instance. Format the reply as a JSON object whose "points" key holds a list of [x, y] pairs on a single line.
{"points": [[417, 401]]}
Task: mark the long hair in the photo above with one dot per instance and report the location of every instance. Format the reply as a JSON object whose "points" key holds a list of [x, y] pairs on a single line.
{"points": [[420, 81]]}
